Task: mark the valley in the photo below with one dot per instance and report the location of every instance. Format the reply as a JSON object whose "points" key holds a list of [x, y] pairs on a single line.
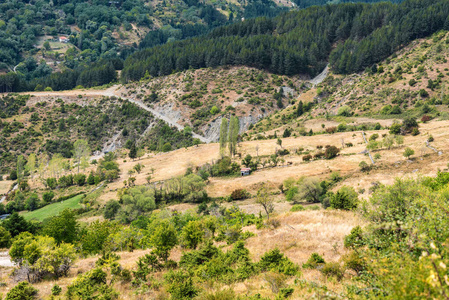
{"points": [[224, 150]]}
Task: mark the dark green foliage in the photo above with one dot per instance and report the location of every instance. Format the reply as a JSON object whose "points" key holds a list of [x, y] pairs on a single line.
{"points": [[132, 151], [355, 238], [180, 285], [111, 209], [22, 291], [79, 179], [314, 261], [13, 175], [91, 283], [91, 179], [224, 167], [5, 237], [331, 152], [395, 128], [56, 290], [274, 260], [16, 224], [59, 146], [364, 29], [146, 265], [63, 227], [345, 198], [165, 138]]}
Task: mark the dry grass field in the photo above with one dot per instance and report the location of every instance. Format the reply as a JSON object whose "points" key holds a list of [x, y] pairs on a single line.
{"points": [[392, 163]]}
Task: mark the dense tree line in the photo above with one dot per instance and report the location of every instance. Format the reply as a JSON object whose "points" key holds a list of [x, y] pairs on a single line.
{"points": [[301, 41]]}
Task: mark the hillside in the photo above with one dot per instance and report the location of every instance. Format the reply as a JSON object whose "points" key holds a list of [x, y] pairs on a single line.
{"points": [[410, 83], [44, 121], [319, 170]]}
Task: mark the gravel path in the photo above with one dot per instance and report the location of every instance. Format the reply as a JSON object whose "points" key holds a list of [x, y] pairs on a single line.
{"points": [[320, 78]]}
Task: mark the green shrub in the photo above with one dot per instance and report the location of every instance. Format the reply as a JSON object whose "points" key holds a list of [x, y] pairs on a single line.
{"points": [[48, 196], [314, 261], [331, 152], [297, 207], [395, 128], [275, 261], [333, 269], [180, 284], [239, 194], [22, 291], [166, 147], [355, 238], [345, 198], [79, 179], [284, 293], [355, 262], [91, 283], [56, 290]]}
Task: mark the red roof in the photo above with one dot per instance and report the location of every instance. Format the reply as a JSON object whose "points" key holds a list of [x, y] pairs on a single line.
{"points": [[245, 169]]}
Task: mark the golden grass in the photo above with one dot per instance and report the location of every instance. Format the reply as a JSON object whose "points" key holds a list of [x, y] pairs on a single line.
{"points": [[5, 185]]}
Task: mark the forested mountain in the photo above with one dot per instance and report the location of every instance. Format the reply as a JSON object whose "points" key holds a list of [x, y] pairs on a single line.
{"points": [[106, 32], [301, 41]]}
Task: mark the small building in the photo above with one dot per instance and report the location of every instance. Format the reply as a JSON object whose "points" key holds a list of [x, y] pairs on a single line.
{"points": [[245, 171], [63, 39]]}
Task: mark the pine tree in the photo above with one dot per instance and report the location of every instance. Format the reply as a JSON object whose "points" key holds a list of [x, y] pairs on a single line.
{"points": [[133, 151], [300, 109]]}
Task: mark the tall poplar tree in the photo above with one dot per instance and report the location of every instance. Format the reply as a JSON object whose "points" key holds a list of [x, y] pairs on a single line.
{"points": [[234, 129], [223, 136]]}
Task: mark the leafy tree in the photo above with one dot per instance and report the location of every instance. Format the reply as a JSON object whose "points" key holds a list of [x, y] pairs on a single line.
{"points": [[91, 179], [279, 142], [20, 168], [331, 152], [247, 160], [81, 151], [164, 238], [192, 234], [309, 189], [135, 202], [180, 285], [132, 151], [93, 237], [408, 152], [234, 129], [47, 46], [16, 224], [223, 136], [63, 227], [166, 147], [31, 164], [300, 109], [32, 202], [111, 209], [5, 237], [93, 282], [263, 198]]}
